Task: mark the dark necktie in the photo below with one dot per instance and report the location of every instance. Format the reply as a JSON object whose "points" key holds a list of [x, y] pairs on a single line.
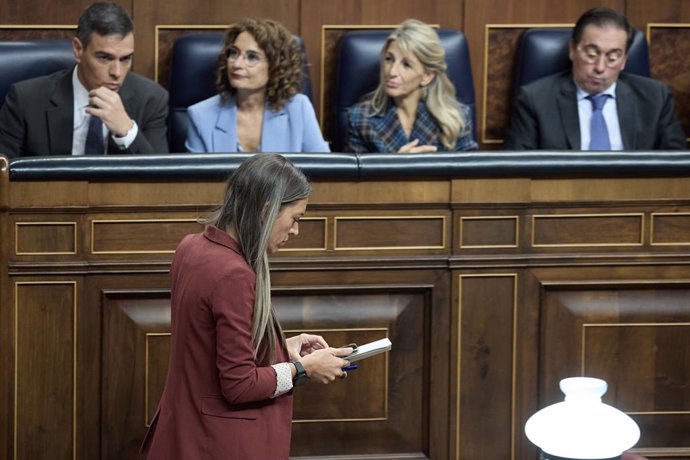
{"points": [[94, 139], [598, 131]]}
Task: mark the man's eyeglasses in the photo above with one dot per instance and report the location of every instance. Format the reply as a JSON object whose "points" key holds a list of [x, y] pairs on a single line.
{"points": [[591, 54], [251, 58]]}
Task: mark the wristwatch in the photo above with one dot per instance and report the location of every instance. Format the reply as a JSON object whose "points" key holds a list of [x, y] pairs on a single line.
{"points": [[301, 377]]}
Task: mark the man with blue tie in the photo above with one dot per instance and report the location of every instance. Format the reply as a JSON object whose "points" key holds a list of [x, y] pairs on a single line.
{"points": [[94, 108], [595, 106]]}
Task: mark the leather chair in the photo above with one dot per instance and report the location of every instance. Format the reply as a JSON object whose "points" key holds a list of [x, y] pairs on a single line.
{"points": [[21, 60], [544, 52], [192, 79], [357, 73]]}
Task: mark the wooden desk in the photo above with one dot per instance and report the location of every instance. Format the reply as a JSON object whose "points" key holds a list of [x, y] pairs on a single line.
{"points": [[492, 287]]}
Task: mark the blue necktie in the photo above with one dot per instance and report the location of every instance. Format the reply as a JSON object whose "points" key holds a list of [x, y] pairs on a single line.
{"points": [[94, 139], [598, 131]]}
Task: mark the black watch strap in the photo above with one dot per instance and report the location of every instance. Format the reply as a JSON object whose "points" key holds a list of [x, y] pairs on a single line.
{"points": [[301, 376]]}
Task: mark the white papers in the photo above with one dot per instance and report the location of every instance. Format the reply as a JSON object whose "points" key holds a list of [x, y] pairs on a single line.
{"points": [[369, 349]]}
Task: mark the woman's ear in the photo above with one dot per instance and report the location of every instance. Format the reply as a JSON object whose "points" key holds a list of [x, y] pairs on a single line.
{"points": [[263, 213], [427, 78]]}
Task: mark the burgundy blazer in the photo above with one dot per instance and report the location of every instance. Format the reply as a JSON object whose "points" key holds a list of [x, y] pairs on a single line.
{"points": [[217, 402]]}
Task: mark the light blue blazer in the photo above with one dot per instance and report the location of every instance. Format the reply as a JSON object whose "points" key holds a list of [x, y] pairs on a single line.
{"points": [[213, 127]]}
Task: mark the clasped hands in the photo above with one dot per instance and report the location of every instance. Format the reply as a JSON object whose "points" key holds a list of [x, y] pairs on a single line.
{"points": [[414, 147], [322, 363]]}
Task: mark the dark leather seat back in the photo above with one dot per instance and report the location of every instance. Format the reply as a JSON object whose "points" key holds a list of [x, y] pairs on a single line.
{"points": [[544, 52], [357, 73], [21, 60], [192, 79]]}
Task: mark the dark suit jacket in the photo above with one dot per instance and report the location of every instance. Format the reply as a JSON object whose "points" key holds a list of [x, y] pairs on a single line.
{"points": [[545, 115], [217, 401], [37, 117]]}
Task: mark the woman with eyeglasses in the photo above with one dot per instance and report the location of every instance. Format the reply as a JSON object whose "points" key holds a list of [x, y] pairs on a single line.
{"points": [[259, 107], [414, 109]]}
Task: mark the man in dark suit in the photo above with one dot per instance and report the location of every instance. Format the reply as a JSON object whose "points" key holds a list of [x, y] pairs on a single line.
{"points": [[97, 107], [561, 112]]}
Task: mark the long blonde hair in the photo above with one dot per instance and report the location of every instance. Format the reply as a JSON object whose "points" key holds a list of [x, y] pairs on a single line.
{"points": [[414, 36], [254, 196]]}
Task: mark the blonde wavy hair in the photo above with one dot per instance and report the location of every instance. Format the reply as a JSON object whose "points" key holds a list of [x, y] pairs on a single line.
{"points": [[284, 58], [414, 36]]}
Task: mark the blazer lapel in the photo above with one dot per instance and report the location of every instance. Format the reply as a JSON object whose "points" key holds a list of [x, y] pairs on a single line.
{"points": [[60, 117], [275, 126], [567, 108], [425, 128], [627, 108], [224, 137]]}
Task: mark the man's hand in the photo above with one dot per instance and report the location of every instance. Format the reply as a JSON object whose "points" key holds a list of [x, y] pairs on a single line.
{"points": [[107, 105]]}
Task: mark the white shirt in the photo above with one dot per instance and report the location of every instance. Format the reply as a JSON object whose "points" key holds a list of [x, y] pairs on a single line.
{"points": [[610, 113], [82, 119]]}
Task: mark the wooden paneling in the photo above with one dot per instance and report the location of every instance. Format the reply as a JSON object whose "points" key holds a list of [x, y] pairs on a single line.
{"points": [[149, 14], [38, 32], [383, 399], [147, 236], [587, 230], [45, 238], [489, 232], [497, 96], [668, 44], [45, 369], [17, 12], [530, 304], [313, 235], [136, 328], [6, 321], [390, 232], [486, 315], [670, 228], [490, 289], [634, 337]]}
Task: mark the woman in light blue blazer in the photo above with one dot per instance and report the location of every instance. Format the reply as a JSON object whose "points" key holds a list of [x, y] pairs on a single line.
{"points": [[258, 108]]}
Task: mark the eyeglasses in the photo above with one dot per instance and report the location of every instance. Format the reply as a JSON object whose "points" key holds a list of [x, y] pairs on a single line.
{"points": [[591, 54], [251, 58]]}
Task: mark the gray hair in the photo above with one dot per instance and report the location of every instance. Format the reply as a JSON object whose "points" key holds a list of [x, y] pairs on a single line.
{"points": [[254, 196]]}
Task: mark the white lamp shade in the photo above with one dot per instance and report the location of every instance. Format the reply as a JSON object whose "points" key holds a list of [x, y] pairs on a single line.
{"points": [[582, 427]]}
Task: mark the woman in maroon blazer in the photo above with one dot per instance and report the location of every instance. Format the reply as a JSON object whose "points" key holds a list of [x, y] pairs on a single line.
{"points": [[228, 394]]}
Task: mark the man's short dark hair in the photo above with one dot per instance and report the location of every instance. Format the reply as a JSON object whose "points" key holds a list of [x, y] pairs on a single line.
{"points": [[601, 17], [103, 18]]}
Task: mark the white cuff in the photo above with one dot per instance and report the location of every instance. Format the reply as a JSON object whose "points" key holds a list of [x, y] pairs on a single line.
{"points": [[125, 141], [283, 378]]}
